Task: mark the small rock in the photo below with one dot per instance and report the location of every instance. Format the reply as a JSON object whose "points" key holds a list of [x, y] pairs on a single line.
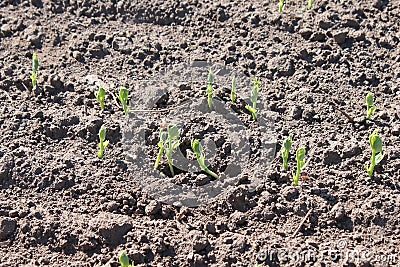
{"points": [[5, 29], [37, 3], [338, 212], [340, 37], [331, 157], [56, 82], [318, 37], [199, 241], [290, 193], [296, 112], [202, 179], [238, 200], [7, 227], [152, 208]]}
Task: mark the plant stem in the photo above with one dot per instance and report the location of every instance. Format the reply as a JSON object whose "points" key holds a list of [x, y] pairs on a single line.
{"points": [[298, 172], [101, 150], [160, 152], [207, 170], [372, 166], [285, 161]]}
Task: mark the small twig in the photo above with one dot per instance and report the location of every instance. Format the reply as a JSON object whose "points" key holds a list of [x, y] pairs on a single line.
{"points": [[350, 118], [302, 222]]}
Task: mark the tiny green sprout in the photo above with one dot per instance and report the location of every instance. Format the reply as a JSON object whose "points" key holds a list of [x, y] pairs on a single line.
{"points": [[210, 89], [101, 96], [370, 105], [377, 153], [253, 98], [163, 138], [201, 157], [300, 155], [287, 145], [281, 5], [103, 142], [123, 97], [124, 260], [233, 91], [35, 67], [310, 4], [168, 142]]}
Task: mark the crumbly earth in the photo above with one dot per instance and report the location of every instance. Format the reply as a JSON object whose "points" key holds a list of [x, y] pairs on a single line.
{"points": [[60, 205]]}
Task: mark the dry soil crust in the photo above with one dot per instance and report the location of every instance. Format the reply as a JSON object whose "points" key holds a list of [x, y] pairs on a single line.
{"points": [[60, 205]]}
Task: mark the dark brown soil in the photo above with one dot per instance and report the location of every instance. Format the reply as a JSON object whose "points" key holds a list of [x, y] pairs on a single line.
{"points": [[61, 205]]}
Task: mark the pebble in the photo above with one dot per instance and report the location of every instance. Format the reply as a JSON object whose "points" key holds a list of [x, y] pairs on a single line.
{"points": [[338, 212], [7, 228], [331, 157], [152, 208]]}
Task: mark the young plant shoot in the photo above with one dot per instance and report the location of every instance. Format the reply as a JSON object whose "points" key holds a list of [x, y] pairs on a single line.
{"points": [[103, 142], [310, 4], [210, 89], [161, 143], [101, 96], [124, 260], [168, 142], [287, 145], [35, 68], [300, 155], [233, 91], [281, 5], [201, 157], [370, 105], [123, 97], [253, 99], [377, 155]]}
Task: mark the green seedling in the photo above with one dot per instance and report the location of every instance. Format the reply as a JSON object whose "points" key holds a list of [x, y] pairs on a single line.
{"points": [[168, 143], [370, 105], [233, 91], [300, 155], [281, 4], [310, 4], [287, 145], [161, 143], [210, 89], [201, 157], [101, 96], [35, 68], [103, 142], [123, 97], [377, 155], [253, 99], [124, 260]]}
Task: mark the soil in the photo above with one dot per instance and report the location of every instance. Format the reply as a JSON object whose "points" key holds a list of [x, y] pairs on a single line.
{"points": [[61, 205]]}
